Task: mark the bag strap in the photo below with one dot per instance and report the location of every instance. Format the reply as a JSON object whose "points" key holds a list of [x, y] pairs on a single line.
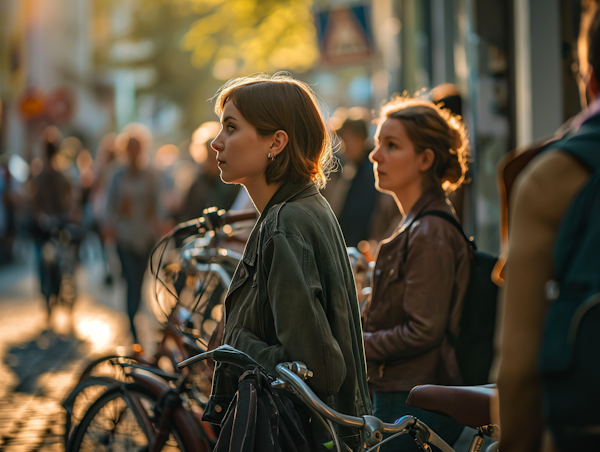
{"points": [[449, 218], [446, 216]]}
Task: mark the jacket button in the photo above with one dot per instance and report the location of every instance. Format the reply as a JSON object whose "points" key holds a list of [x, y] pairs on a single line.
{"points": [[391, 271], [218, 408], [242, 272]]}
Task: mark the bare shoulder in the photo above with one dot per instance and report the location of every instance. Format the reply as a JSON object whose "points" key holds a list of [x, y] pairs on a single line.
{"points": [[554, 171], [549, 183]]}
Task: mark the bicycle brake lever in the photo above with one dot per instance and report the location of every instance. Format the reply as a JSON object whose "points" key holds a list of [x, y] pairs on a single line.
{"points": [[433, 438]]}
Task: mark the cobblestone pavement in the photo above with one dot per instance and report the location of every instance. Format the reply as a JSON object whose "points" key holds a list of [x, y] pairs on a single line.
{"points": [[39, 365]]}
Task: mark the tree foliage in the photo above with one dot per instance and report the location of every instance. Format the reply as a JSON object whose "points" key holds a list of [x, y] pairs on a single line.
{"points": [[254, 35], [199, 43]]}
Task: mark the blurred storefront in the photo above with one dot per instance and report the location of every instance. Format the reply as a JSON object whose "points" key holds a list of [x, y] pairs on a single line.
{"points": [[509, 60]]}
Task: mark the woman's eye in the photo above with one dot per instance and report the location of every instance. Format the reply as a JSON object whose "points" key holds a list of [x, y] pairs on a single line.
{"points": [[230, 127], [392, 145]]}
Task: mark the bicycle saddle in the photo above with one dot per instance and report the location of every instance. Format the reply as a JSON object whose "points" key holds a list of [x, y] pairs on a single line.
{"points": [[467, 405]]}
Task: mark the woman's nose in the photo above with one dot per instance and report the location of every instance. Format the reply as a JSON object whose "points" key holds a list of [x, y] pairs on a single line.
{"points": [[375, 155], [216, 144]]}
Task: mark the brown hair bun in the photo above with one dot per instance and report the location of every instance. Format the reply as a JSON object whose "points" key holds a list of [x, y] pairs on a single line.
{"points": [[428, 126]]}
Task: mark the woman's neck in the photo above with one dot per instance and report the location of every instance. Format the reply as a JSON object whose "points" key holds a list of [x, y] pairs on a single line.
{"points": [[261, 193], [408, 197]]}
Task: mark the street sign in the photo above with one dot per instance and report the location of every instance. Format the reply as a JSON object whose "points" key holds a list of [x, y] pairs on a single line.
{"points": [[32, 104], [345, 35]]}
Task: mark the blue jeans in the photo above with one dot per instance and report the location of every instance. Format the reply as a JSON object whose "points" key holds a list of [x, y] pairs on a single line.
{"points": [[390, 406]]}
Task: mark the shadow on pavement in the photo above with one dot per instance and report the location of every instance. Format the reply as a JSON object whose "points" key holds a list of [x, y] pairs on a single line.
{"points": [[48, 352]]}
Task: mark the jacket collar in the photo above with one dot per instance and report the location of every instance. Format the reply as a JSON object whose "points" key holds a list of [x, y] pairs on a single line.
{"points": [[286, 192], [430, 199]]}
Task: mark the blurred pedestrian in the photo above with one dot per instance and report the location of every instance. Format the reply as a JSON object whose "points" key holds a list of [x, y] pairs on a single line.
{"points": [[421, 271], [8, 211], [132, 217], [540, 203], [351, 192], [52, 199], [105, 165], [207, 190]]}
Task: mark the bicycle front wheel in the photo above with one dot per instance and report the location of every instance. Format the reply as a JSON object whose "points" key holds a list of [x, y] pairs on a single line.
{"points": [[112, 425]]}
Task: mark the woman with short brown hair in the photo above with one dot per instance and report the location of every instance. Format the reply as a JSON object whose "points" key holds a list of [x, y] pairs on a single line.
{"points": [[422, 270], [292, 297]]}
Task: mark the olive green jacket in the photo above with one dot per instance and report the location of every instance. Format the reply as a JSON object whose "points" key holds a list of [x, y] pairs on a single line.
{"points": [[293, 298]]}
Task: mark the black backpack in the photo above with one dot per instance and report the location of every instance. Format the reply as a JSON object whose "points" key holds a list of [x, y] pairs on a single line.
{"points": [[474, 345], [569, 359]]}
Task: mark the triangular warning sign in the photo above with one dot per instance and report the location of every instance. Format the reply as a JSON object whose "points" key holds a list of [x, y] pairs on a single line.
{"points": [[345, 38]]}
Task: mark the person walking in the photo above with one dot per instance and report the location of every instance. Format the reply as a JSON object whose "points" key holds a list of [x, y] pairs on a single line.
{"points": [[132, 218], [52, 197], [422, 271], [104, 167], [274, 142]]}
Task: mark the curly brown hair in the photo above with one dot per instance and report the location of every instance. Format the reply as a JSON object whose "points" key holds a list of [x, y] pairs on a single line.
{"points": [[430, 126]]}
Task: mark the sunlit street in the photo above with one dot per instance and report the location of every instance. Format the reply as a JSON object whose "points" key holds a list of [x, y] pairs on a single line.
{"points": [[39, 364]]}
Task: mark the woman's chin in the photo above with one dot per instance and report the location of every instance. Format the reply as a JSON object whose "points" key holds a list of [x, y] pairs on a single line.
{"points": [[382, 187], [227, 179]]}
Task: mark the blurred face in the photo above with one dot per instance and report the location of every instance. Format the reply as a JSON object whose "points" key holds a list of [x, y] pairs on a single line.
{"points": [[586, 79], [397, 166], [241, 151], [354, 145], [134, 149]]}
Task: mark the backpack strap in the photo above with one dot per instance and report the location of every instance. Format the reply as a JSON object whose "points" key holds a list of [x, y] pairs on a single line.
{"points": [[449, 218], [446, 216]]}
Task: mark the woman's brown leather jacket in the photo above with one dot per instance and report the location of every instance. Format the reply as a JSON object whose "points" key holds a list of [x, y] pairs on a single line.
{"points": [[418, 288]]}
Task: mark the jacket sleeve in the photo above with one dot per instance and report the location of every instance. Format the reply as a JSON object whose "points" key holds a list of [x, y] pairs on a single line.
{"points": [[429, 281], [302, 328]]}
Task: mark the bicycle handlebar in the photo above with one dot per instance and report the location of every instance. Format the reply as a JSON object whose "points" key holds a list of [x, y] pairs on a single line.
{"points": [[214, 219], [222, 354], [307, 394]]}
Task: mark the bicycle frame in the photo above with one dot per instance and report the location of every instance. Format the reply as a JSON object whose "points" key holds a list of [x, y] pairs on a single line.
{"points": [[169, 402]]}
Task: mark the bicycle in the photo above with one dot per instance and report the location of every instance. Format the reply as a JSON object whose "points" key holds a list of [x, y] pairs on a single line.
{"points": [[59, 242], [206, 270], [292, 378]]}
